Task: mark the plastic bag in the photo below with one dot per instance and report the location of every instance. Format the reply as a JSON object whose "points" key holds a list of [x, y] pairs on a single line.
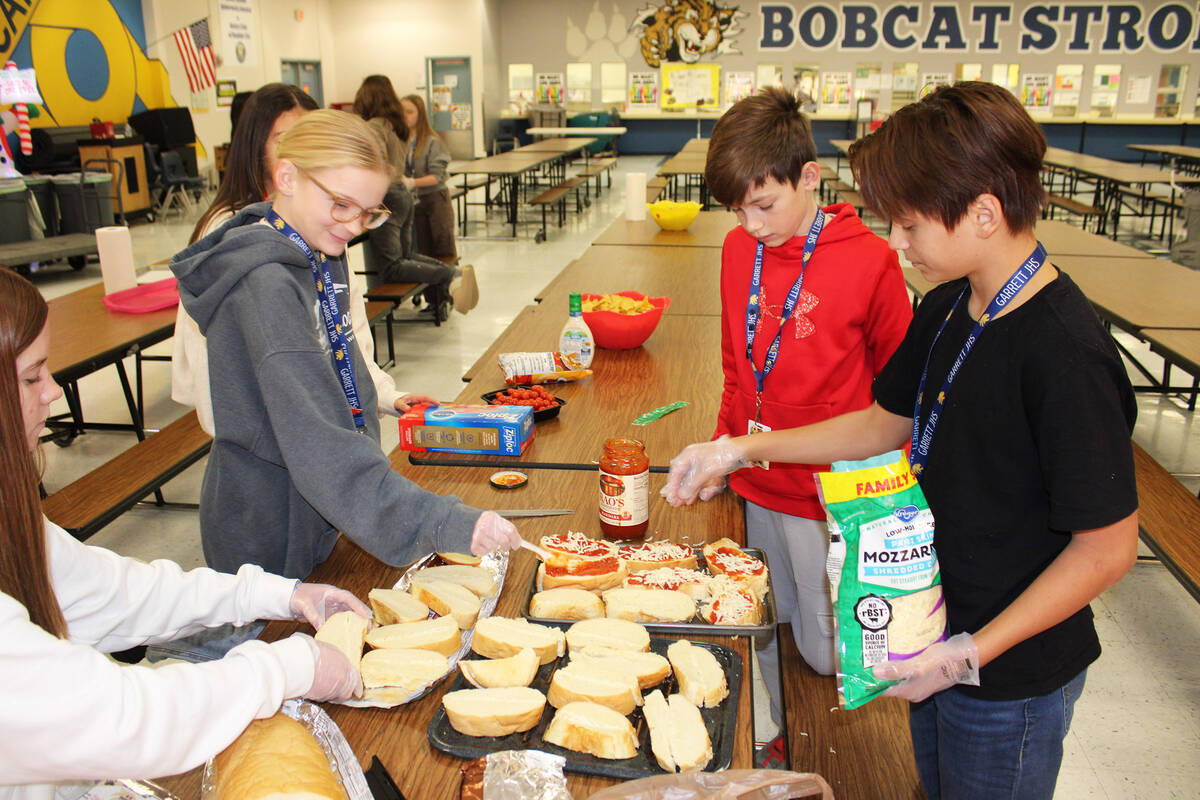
{"points": [[541, 368], [732, 784], [883, 570]]}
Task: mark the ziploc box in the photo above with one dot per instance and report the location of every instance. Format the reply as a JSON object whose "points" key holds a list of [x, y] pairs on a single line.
{"points": [[489, 430]]}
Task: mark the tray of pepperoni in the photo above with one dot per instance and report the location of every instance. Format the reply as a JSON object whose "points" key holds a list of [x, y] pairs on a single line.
{"points": [[729, 585]]}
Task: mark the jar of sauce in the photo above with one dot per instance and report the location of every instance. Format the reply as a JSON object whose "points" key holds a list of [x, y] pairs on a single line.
{"points": [[624, 489]]}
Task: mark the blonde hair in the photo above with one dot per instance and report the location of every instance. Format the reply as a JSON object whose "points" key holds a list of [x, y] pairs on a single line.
{"points": [[331, 138]]}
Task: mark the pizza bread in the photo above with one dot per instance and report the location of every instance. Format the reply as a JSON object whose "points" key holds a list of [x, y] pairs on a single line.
{"points": [[574, 543], [691, 582], [724, 557], [595, 574], [732, 603], [652, 555]]}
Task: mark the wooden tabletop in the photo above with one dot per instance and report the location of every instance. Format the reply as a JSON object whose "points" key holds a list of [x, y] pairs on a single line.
{"points": [[1064, 239], [1111, 171], [576, 130], [564, 144], [399, 736], [1137, 293], [1182, 345], [695, 146], [85, 335], [707, 230], [1175, 150], [510, 163], [684, 164]]}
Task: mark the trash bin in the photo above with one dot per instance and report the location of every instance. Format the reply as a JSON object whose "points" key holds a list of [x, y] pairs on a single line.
{"points": [[14, 211], [43, 193], [85, 206], [593, 119]]}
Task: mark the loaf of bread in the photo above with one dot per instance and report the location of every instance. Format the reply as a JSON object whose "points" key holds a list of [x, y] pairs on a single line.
{"points": [[273, 759], [565, 602], [461, 558], [346, 631], [594, 729], [574, 543], [393, 605], [652, 555], [493, 712], [650, 669], [701, 679], [498, 673], [604, 632], [648, 605], [448, 600], [732, 603], [404, 669], [501, 637], [691, 582], [678, 737], [439, 635], [477, 579], [596, 683], [595, 574], [724, 557]]}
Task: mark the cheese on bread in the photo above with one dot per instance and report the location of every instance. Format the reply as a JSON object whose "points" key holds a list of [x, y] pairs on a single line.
{"points": [[691, 582], [724, 557], [732, 603], [652, 555]]}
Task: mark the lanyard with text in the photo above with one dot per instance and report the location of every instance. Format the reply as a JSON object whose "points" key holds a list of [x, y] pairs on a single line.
{"points": [[922, 439], [789, 305], [343, 362]]}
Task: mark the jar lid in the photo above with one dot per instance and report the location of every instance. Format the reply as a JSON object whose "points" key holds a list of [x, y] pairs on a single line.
{"points": [[508, 479]]}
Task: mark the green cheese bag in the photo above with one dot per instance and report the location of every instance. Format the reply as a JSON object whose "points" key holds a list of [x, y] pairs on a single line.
{"points": [[882, 567]]}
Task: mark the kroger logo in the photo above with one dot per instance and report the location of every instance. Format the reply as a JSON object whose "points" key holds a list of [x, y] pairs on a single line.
{"points": [[907, 513]]}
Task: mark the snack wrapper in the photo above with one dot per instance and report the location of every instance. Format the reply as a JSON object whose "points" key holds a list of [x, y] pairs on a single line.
{"points": [[541, 368], [883, 570]]}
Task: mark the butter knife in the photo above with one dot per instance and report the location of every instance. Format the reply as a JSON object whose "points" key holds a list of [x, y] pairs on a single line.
{"points": [[534, 512]]}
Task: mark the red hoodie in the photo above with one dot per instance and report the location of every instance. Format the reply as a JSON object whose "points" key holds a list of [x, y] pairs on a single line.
{"points": [[851, 316]]}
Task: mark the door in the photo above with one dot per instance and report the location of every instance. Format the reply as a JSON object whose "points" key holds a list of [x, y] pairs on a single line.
{"points": [[448, 98], [305, 75]]}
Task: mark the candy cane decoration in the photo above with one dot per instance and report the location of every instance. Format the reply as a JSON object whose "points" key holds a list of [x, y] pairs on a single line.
{"points": [[22, 112]]}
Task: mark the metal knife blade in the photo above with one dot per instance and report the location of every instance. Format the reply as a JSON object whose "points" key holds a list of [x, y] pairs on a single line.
{"points": [[534, 512]]}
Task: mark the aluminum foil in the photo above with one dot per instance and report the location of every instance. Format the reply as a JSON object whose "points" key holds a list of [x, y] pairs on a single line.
{"points": [[524, 775], [495, 562], [329, 737]]}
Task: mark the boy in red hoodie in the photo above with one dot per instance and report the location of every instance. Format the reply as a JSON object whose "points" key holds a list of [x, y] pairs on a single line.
{"points": [[813, 305]]}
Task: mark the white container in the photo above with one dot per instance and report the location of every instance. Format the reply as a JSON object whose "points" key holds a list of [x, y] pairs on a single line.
{"points": [[576, 338]]}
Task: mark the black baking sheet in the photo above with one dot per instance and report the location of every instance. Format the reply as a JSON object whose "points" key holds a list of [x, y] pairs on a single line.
{"points": [[721, 723], [762, 634]]}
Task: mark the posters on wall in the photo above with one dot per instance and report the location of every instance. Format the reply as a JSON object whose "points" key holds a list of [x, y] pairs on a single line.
{"points": [[1139, 89], [550, 89], [237, 33], [643, 90], [460, 117], [441, 97], [1106, 88], [1067, 81], [1035, 92], [932, 80], [225, 92], [737, 86], [691, 86], [835, 91]]}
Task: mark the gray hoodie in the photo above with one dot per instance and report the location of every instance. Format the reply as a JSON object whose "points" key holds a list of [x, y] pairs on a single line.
{"points": [[287, 469]]}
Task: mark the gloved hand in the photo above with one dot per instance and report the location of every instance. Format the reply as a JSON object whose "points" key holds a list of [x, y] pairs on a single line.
{"points": [[334, 678], [493, 532], [696, 470], [942, 665], [317, 602]]}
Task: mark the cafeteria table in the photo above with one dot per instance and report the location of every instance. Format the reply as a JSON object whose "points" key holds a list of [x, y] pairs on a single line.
{"points": [[1064, 239], [508, 167], [1180, 156], [707, 230], [1135, 293], [687, 165], [1179, 348], [398, 736]]}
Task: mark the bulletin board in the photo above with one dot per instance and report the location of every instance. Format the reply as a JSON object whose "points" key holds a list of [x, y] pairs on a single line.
{"points": [[691, 86]]}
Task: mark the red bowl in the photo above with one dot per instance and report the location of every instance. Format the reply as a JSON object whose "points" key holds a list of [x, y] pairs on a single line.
{"points": [[614, 331]]}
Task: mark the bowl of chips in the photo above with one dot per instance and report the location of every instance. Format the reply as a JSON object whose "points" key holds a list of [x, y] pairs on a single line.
{"points": [[623, 320], [672, 216]]}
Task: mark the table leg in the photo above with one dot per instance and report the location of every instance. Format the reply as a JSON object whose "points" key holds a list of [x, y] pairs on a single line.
{"points": [[514, 193]]}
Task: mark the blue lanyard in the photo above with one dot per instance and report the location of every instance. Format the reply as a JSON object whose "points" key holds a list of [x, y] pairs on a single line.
{"points": [[922, 439], [789, 305], [343, 362]]}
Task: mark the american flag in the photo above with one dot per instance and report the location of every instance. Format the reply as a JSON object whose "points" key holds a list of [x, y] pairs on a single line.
{"points": [[195, 48]]}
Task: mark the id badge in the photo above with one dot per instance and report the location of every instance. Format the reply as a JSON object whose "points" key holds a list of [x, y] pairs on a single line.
{"points": [[753, 427]]}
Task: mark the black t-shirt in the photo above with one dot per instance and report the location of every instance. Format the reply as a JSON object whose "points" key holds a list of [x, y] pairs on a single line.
{"points": [[1033, 443]]}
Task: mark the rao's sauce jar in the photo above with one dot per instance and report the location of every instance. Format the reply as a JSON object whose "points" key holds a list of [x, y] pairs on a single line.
{"points": [[624, 489]]}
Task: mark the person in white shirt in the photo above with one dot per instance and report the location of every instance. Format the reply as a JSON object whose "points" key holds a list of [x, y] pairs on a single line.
{"points": [[70, 713]]}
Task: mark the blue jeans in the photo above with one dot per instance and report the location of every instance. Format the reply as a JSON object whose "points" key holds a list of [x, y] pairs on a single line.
{"points": [[969, 749]]}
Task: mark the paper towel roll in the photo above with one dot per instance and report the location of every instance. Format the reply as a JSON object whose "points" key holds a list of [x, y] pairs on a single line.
{"points": [[635, 196], [116, 258]]}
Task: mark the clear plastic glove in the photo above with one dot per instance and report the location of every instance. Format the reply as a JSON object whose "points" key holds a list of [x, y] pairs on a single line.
{"points": [[405, 402], [317, 602], [941, 666], [493, 532], [333, 676], [699, 470]]}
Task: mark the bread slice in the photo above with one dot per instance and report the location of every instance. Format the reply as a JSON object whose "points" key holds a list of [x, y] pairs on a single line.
{"points": [[393, 605], [346, 631], [595, 575], [616, 633], [701, 679], [498, 673], [439, 635], [461, 558], [448, 599], [494, 712], [732, 603], [275, 757], [650, 669], [501, 637], [477, 579], [565, 602], [693, 583], [596, 683], [406, 669], [574, 543], [648, 605], [652, 555], [594, 729], [678, 736], [725, 557]]}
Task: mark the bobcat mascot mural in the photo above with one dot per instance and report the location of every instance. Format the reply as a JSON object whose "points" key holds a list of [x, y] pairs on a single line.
{"points": [[685, 30]]}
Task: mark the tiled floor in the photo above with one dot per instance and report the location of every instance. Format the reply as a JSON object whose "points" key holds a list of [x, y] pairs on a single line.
{"points": [[1136, 732]]}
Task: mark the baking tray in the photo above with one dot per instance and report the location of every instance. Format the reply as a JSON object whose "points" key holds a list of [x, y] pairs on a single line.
{"points": [[762, 634], [721, 723]]}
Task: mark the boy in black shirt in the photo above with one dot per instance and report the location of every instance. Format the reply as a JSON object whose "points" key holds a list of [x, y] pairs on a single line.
{"points": [[1023, 413]]}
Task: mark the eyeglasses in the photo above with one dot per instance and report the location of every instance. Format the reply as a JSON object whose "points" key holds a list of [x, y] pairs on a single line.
{"points": [[345, 210]]}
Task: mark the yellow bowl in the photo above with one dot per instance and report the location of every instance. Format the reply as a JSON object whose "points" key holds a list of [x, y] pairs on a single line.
{"points": [[672, 216]]}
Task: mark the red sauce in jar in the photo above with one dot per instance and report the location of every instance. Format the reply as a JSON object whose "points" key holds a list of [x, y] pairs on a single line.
{"points": [[624, 489]]}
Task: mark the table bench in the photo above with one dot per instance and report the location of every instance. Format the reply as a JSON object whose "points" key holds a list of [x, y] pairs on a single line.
{"points": [[397, 293], [1168, 520], [75, 247], [381, 311], [88, 504], [558, 195], [1071, 207], [598, 168]]}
